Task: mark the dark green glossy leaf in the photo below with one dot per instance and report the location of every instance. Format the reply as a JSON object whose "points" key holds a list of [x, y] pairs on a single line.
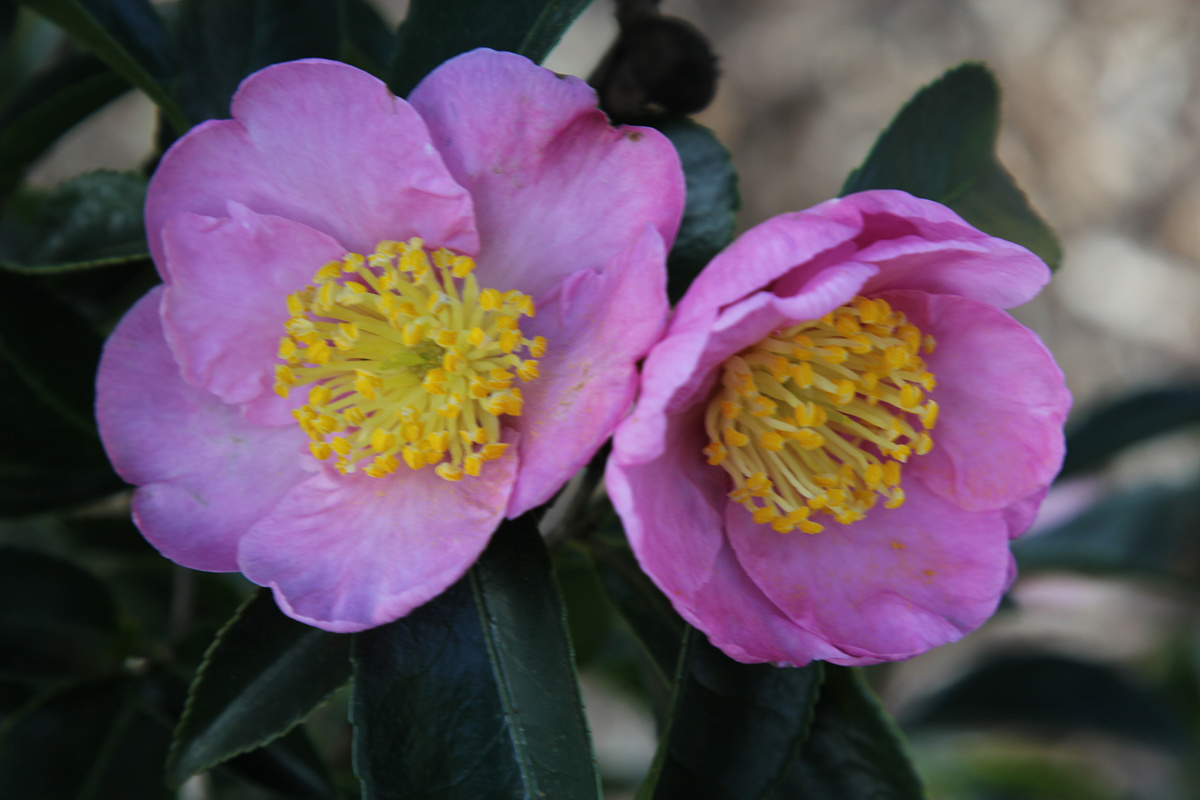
{"points": [[53, 351], [655, 624], [734, 730], [1056, 695], [709, 217], [590, 618], [100, 741], [55, 618], [92, 220], [435, 31], [129, 36], [1108, 430], [367, 41], [262, 676], [853, 748], [941, 146], [49, 106], [222, 41], [290, 766], [474, 694], [1149, 531]]}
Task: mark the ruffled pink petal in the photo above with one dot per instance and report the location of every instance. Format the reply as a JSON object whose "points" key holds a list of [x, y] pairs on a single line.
{"points": [[682, 369], [345, 553], [556, 188], [598, 325], [922, 245], [1021, 515], [206, 475], [887, 587], [324, 144], [671, 509], [801, 243], [1002, 403], [226, 299]]}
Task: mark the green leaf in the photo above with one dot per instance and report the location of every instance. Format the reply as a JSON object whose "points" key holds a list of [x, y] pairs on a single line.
{"points": [[649, 614], [710, 214], [853, 748], [1150, 531], [55, 619], [91, 220], [1108, 430], [289, 766], [49, 106], [435, 31], [1056, 695], [96, 740], [262, 676], [474, 694], [129, 36], [734, 730], [367, 41], [941, 146], [222, 41], [51, 348]]}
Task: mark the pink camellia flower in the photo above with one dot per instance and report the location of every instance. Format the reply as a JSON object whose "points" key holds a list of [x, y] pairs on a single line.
{"points": [[384, 325], [782, 478]]}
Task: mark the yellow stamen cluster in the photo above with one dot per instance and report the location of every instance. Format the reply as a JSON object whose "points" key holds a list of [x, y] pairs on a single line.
{"points": [[408, 361], [819, 417]]}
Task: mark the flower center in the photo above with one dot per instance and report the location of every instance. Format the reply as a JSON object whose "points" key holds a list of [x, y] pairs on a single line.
{"points": [[819, 417], [409, 361]]}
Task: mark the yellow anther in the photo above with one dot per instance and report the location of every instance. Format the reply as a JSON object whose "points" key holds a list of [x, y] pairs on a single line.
{"points": [[735, 438], [446, 338], [449, 472], [413, 457], [873, 475], [929, 415], [476, 337], [896, 356], [835, 354], [896, 500], [435, 381], [924, 444], [364, 386], [928, 344], [730, 409], [355, 415], [320, 450], [809, 439], [452, 361], [765, 514], [509, 341], [759, 485], [473, 464], [528, 370], [846, 324], [318, 395], [490, 300], [463, 266], [803, 375], [772, 441], [330, 272], [716, 453], [910, 396], [341, 446], [808, 526], [538, 348], [762, 406], [413, 334], [740, 494], [287, 348], [285, 375], [525, 305], [382, 440], [491, 452]]}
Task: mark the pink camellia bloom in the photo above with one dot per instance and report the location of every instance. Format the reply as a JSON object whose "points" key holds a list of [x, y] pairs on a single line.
{"points": [[782, 478], [384, 326]]}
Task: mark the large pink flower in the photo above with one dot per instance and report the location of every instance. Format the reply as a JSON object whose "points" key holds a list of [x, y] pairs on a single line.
{"points": [[384, 325], [840, 432]]}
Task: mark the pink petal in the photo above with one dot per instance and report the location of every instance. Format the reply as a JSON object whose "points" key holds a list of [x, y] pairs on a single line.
{"points": [[226, 300], [345, 553], [887, 587], [923, 245], [326, 145], [598, 326], [671, 511], [205, 474], [682, 369], [1002, 403], [556, 188], [764, 254]]}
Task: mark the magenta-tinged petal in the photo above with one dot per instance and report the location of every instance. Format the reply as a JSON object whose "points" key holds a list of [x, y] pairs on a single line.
{"points": [[671, 511], [226, 299], [324, 144], [345, 553], [801, 243], [205, 474], [682, 368], [556, 188], [1021, 515], [1002, 403], [598, 326], [887, 587]]}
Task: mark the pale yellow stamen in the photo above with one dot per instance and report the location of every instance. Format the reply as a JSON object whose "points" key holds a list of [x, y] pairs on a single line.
{"points": [[832, 409], [409, 362]]}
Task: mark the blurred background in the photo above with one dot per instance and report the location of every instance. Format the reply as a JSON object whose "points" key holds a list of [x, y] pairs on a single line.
{"points": [[1100, 124]]}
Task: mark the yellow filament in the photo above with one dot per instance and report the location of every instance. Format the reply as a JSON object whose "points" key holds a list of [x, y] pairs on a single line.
{"points": [[819, 417], [409, 361]]}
